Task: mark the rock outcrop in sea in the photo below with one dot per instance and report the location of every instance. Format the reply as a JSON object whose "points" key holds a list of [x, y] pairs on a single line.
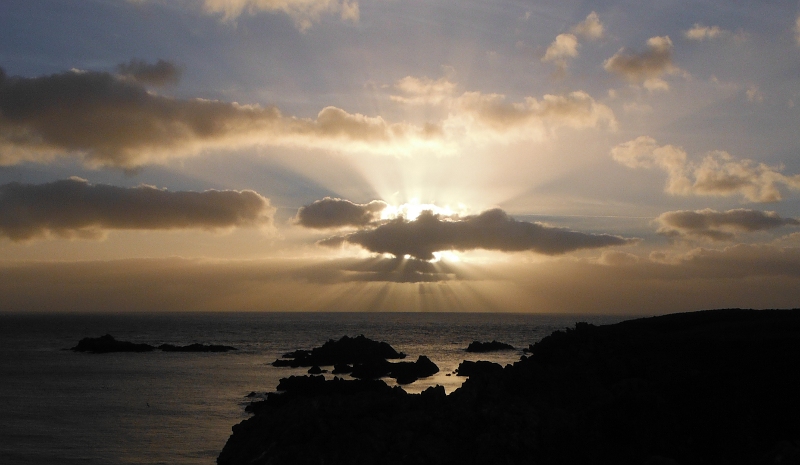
{"points": [[483, 347], [692, 388], [107, 344], [361, 358]]}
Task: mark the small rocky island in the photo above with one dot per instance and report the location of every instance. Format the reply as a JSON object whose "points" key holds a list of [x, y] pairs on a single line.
{"points": [[107, 344], [361, 358], [484, 347], [693, 388]]}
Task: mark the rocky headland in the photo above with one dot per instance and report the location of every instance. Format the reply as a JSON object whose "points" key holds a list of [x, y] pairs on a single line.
{"points": [[713, 387]]}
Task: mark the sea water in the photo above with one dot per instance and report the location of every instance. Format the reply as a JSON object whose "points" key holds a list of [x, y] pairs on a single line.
{"points": [[62, 407]]}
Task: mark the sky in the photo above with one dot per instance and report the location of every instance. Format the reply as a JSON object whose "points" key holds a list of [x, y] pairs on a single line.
{"points": [[383, 155]]}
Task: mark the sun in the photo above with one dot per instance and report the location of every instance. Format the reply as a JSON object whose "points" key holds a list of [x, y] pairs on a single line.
{"points": [[411, 210]]}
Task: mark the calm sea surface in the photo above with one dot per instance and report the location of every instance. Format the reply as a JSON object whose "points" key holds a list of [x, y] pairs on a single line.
{"points": [[62, 407]]}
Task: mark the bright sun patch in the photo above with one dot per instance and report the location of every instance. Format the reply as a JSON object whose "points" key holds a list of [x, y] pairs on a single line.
{"points": [[411, 210]]}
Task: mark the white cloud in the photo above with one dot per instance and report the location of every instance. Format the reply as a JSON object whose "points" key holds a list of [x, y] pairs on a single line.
{"points": [[717, 174], [591, 28], [480, 115], [699, 32], [304, 13], [423, 91], [565, 46]]}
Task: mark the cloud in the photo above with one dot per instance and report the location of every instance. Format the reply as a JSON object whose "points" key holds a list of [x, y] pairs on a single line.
{"points": [[490, 230], [423, 91], [74, 208], [565, 46], [717, 174], [719, 226], [699, 32], [490, 115], [797, 30], [338, 213], [591, 28], [161, 73], [645, 67], [108, 120], [754, 94], [304, 13]]}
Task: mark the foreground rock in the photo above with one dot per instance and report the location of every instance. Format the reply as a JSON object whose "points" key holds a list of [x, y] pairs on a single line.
{"points": [[483, 347], [696, 388], [106, 344]]}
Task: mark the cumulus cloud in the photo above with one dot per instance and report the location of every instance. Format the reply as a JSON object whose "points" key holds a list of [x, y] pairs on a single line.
{"points": [[719, 226], [338, 213], [108, 120], [160, 73], [717, 174], [699, 32], [75, 208], [491, 115], [565, 46], [490, 230], [591, 28], [644, 67], [304, 13], [423, 91]]}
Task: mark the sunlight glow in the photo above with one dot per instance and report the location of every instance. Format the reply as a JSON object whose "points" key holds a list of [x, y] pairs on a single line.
{"points": [[411, 210]]}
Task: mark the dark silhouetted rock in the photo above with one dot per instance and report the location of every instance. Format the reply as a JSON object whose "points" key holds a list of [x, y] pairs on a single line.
{"points": [[106, 344], [479, 368], [196, 348], [694, 388], [315, 370], [342, 368], [482, 347], [347, 350], [408, 372]]}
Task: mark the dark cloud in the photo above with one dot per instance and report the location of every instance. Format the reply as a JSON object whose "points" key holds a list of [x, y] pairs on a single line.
{"points": [[75, 208], [717, 226], [641, 66], [160, 73], [337, 213], [110, 120], [490, 230]]}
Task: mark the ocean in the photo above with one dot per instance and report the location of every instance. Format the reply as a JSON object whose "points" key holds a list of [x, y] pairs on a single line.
{"points": [[62, 407]]}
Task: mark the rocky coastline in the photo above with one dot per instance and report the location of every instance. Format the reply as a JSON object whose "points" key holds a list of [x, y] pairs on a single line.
{"points": [[693, 388]]}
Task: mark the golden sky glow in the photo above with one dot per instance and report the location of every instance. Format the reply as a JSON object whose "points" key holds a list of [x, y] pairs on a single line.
{"points": [[368, 155]]}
